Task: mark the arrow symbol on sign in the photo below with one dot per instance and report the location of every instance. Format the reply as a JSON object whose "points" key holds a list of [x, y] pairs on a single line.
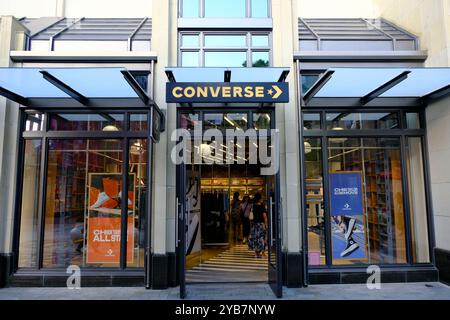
{"points": [[278, 92]]}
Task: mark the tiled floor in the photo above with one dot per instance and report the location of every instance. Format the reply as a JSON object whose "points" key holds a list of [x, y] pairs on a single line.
{"points": [[392, 291]]}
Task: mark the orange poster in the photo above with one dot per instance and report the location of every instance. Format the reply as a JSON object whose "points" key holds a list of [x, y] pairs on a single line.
{"points": [[103, 240]]}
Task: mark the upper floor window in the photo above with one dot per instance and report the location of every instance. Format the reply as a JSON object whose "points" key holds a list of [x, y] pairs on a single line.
{"points": [[224, 9], [216, 49]]}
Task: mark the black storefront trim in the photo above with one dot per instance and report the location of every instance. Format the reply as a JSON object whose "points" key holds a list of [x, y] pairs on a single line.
{"points": [[6, 267], [359, 275], [442, 260]]}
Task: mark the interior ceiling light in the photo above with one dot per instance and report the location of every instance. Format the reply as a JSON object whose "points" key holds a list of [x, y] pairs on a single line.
{"points": [[110, 127], [308, 147]]}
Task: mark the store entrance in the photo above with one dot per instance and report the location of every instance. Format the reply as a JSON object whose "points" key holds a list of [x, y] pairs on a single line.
{"points": [[228, 205], [219, 246]]}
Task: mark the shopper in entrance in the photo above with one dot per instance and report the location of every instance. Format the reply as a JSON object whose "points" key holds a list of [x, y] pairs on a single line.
{"points": [[246, 207], [236, 217], [257, 239]]}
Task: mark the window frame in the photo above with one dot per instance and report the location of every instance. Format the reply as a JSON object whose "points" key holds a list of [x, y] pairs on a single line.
{"points": [[402, 133], [202, 49], [124, 135], [248, 10]]}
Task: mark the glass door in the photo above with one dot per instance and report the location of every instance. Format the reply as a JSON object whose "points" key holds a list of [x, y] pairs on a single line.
{"points": [[182, 228]]}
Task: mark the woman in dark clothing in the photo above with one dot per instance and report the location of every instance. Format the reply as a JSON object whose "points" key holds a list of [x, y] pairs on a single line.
{"points": [[246, 207], [257, 239]]}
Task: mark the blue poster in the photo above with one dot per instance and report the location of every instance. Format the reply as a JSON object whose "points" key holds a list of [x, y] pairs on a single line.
{"points": [[346, 196], [348, 237]]}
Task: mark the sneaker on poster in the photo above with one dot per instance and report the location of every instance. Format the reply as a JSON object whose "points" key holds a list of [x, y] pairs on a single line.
{"points": [[351, 247], [101, 199], [130, 203], [350, 226]]}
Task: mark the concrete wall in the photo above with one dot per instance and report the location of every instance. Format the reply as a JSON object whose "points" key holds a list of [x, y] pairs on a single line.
{"points": [[337, 9], [11, 32], [77, 8], [428, 19]]}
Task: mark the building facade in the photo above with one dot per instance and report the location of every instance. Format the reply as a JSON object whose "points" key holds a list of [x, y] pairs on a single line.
{"points": [[360, 138]]}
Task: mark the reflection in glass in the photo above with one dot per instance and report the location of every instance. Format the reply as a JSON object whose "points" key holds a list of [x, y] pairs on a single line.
{"points": [[417, 200], [30, 205], [225, 41], [190, 59], [138, 122], [190, 40], [138, 195], [83, 203], [34, 121], [378, 234], [260, 59], [213, 121], [261, 121], [314, 201], [190, 9], [236, 120], [369, 120], [225, 59], [86, 122], [412, 120], [188, 120], [225, 9], [308, 81], [260, 41], [259, 9], [311, 121]]}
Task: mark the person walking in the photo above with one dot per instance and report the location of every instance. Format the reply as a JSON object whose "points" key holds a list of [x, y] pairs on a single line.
{"points": [[246, 207], [257, 239], [235, 217]]}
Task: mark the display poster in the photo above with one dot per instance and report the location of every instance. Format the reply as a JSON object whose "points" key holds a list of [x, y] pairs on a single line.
{"points": [[347, 210], [346, 197], [193, 205], [104, 218]]}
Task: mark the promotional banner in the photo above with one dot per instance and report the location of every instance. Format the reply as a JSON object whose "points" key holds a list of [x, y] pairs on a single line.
{"points": [[347, 210], [104, 240], [104, 218], [346, 197]]}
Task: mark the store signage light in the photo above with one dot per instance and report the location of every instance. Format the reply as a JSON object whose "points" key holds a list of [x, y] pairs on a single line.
{"points": [[259, 92]]}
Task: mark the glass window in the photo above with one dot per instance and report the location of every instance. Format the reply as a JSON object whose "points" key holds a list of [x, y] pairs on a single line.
{"points": [[341, 121], [86, 122], [260, 41], [260, 59], [311, 121], [138, 122], [412, 120], [189, 40], [30, 205], [213, 121], [141, 79], [308, 81], [225, 41], [190, 9], [236, 120], [417, 200], [314, 201], [259, 8], [190, 59], [261, 121], [225, 9], [138, 192], [225, 59], [188, 120], [366, 201], [83, 204], [34, 121]]}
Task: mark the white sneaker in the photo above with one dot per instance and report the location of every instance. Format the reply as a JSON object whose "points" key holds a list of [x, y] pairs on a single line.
{"points": [[101, 199], [351, 225]]}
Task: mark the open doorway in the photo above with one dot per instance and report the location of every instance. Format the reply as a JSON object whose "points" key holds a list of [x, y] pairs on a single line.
{"points": [[221, 245]]}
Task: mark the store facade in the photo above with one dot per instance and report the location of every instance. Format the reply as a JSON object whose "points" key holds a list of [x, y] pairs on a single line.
{"points": [[352, 187]]}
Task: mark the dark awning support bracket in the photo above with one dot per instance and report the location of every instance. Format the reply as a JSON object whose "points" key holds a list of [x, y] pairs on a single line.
{"points": [[136, 87], [317, 86], [13, 96], [227, 76], [65, 88], [437, 94], [283, 76], [384, 87], [170, 76]]}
